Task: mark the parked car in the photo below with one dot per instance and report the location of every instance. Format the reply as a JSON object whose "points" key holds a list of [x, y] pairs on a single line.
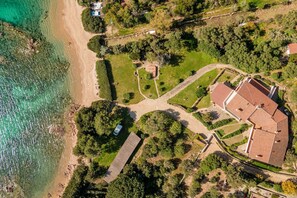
{"points": [[117, 130]]}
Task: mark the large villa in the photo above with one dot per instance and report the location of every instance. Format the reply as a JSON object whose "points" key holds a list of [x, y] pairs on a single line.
{"points": [[251, 102]]}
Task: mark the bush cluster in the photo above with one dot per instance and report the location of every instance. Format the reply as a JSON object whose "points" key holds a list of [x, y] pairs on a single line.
{"points": [[91, 23]]}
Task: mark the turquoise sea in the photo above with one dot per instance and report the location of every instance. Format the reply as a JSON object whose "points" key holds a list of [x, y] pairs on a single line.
{"points": [[33, 97]]}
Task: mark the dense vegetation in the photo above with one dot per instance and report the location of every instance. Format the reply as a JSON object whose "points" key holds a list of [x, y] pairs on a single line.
{"points": [[96, 43], [165, 50], [103, 80], [91, 23], [250, 46], [95, 126], [161, 14]]}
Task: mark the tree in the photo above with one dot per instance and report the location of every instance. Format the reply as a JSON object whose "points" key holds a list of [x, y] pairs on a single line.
{"points": [[234, 176], [95, 170], [289, 187], [291, 160], [95, 43], [185, 7], [290, 71], [76, 184], [294, 94], [213, 193], [91, 23], [208, 116], [125, 186], [92, 148], [201, 92], [211, 162], [179, 150], [176, 128], [161, 20]]}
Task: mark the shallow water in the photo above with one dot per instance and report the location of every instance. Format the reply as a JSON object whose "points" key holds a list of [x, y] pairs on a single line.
{"points": [[33, 96]]}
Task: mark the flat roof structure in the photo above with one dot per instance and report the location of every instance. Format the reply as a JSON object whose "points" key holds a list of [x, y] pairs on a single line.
{"points": [[122, 157], [250, 102]]}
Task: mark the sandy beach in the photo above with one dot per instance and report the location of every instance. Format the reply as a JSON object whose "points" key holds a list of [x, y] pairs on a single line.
{"points": [[65, 19], [66, 26]]}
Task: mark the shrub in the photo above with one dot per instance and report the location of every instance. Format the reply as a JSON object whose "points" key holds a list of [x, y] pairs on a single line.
{"points": [[201, 92], [92, 24], [146, 87], [148, 76], [76, 183], [95, 43], [220, 133], [277, 187], [85, 3], [211, 126], [242, 129], [127, 96], [103, 81], [289, 187]]}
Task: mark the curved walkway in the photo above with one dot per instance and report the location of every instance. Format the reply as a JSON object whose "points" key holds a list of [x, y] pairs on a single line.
{"points": [[187, 119]]}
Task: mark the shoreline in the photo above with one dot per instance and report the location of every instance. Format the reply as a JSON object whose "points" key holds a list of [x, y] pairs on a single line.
{"points": [[66, 28]]}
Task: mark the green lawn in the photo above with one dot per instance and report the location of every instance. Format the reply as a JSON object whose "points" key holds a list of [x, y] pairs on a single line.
{"points": [[170, 76], [150, 92], [188, 97], [231, 128], [226, 76], [124, 80], [261, 3], [204, 102]]}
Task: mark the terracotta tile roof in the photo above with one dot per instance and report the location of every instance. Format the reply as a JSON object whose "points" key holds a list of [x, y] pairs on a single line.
{"points": [[292, 48], [239, 107], [256, 97], [259, 86], [261, 145], [269, 138], [219, 93]]}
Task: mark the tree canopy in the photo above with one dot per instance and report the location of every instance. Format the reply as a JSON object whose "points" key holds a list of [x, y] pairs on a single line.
{"points": [[125, 186]]}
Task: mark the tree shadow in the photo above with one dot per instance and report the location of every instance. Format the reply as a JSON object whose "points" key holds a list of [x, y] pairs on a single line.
{"points": [[111, 79]]}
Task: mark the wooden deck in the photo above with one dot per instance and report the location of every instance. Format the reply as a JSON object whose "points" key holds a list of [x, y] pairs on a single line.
{"points": [[122, 157]]}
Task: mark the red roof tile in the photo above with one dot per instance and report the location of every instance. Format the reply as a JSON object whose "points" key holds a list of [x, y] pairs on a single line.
{"points": [[220, 93], [250, 102], [292, 48]]}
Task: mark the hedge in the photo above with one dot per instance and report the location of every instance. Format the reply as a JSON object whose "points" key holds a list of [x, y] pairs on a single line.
{"points": [[265, 166], [242, 129], [220, 133], [211, 126], [103, 81], [237, 144]]}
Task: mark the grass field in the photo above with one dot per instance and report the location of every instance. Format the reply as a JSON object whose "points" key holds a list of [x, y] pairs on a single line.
{"points": [[204, 102], [170, 76], [234, 139], [230, 128], [124, 80], [261, 3], [151, 92], [226, 76], [187, 97]]}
